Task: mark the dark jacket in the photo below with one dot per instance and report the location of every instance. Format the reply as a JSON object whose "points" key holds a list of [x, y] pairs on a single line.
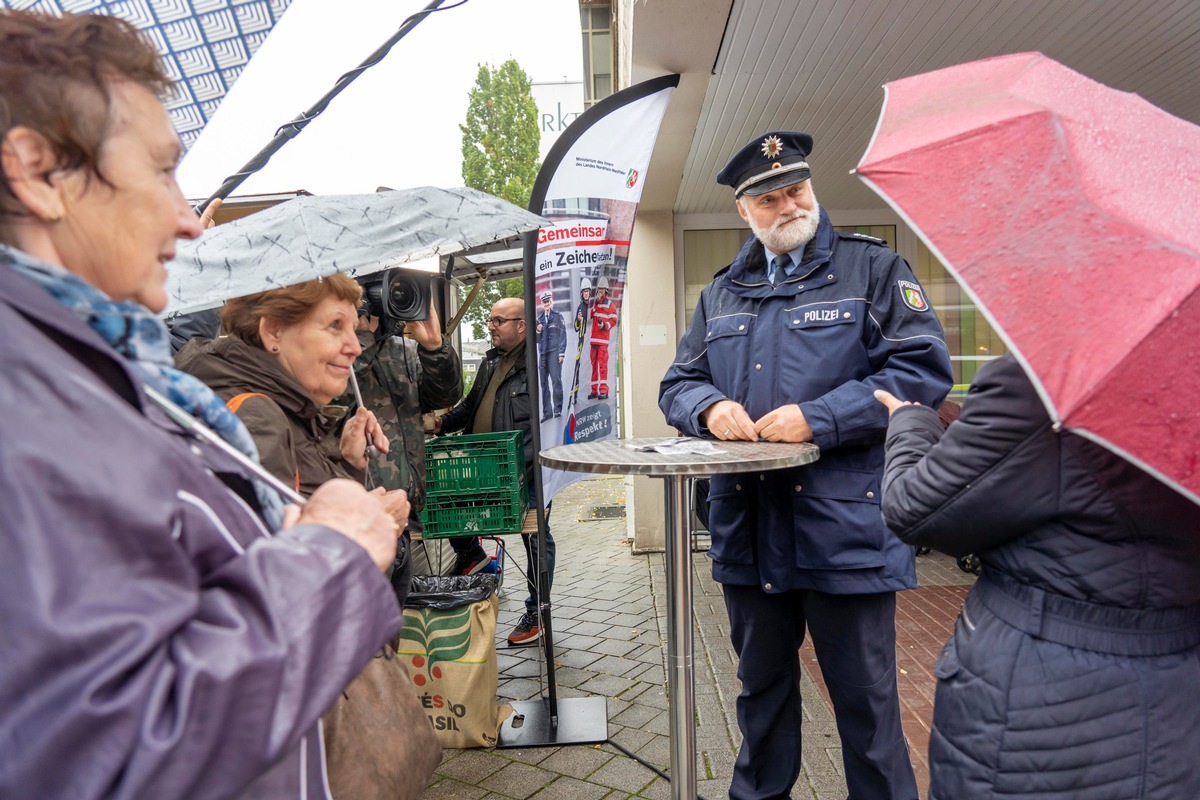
{"points": [[510, 412], [825, 338], [155, 641], [1073, 668], [294, 436]]}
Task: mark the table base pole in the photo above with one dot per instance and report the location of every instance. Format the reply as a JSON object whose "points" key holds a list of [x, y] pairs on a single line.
{"points": [[581, 720], [680, 687]]}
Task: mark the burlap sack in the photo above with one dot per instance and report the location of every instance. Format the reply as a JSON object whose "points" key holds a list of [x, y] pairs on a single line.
{"points": [[451, 656]]}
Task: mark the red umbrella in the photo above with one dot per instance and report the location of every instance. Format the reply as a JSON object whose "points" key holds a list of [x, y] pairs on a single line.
{"points": [[1069, 213]]}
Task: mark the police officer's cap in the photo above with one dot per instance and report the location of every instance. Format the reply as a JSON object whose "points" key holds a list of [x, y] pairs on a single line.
{"points": [[547, 296], [770, 162]]}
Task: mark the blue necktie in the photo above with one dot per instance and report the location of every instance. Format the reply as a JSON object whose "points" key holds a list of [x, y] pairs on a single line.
{"points": [[778, 268]]}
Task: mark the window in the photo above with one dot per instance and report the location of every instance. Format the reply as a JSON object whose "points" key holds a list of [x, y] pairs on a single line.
{"points": [[596, 23]]}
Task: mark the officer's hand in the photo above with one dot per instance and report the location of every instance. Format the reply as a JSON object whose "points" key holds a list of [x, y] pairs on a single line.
{"points": [[427, 332], [728, 421], [539, 329], [437, 424], [891, 401], [784, 424], [560, 359]]}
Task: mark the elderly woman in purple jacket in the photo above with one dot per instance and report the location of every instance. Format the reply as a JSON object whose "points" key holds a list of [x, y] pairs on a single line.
{"points": [[1073, 667], [167, 628]]}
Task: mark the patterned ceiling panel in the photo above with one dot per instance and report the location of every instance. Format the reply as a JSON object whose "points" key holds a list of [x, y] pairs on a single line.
{"points": [[205, 43]]}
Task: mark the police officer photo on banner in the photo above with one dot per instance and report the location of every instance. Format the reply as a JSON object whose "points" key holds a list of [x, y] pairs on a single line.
{"points": [[580, 269]]}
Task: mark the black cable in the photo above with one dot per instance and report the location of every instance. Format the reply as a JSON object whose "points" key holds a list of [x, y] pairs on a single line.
{"points": [[647, 765], [290, 130], [349, 76]]}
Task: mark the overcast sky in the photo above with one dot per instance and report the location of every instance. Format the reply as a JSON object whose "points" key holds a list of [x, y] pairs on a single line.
{"points": [[397, 124]]}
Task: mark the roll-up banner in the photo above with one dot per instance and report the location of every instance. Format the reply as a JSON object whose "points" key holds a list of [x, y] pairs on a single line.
{"points": [[588, 187]]}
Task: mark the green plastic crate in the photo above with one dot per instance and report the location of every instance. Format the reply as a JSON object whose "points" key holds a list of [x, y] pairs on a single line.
{"points": [[500, 511], [478, 462]]}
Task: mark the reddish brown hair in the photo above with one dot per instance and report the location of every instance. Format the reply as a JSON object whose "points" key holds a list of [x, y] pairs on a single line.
{"points": [[286, 307], [55, 74]]}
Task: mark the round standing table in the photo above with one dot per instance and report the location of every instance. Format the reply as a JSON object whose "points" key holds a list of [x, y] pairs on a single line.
{"points": [[622, 456]]}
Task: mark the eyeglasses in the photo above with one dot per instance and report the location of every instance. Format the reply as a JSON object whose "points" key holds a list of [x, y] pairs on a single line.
{"points": [[496, 322]]}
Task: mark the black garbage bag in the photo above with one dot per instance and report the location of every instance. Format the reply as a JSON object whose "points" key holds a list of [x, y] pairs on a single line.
{"points": [[444, 592]]}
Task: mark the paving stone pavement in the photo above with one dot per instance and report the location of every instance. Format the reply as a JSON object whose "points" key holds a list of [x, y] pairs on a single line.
{"points": [[609, 618]]}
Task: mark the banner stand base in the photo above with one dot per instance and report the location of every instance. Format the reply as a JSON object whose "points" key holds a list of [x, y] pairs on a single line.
{"points": [[581, 720]]}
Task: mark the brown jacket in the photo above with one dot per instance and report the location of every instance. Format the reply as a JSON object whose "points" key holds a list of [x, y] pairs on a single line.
{"points": [[296, 438]]}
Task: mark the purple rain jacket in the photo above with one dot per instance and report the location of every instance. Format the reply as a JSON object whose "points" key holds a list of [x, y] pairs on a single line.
{"points": [[155, 641]]}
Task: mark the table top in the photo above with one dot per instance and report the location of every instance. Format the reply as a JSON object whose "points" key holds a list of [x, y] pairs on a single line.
{"points": [[619, 456]]}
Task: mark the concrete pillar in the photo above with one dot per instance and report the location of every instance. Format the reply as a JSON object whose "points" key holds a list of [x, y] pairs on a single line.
{"points": [[649, 337]]}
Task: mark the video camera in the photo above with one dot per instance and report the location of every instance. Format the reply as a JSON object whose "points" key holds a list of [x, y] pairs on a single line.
{"points": [[395, 296]]}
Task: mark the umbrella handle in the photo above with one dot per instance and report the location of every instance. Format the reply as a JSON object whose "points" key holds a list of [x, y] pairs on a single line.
{"points": [[372, 450]]}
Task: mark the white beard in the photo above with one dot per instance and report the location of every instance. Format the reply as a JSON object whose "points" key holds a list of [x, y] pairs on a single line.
{"points": [[794, 235]]}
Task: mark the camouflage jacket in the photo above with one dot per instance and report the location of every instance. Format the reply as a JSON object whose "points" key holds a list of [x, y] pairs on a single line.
{"points": [[399, 381]]}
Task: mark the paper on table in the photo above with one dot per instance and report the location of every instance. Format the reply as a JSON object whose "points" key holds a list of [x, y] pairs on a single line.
{"points": [[685, 445]]}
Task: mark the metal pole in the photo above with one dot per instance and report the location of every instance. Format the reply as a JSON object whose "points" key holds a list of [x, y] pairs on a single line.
{"points": [[680, 688], [293, 128]]}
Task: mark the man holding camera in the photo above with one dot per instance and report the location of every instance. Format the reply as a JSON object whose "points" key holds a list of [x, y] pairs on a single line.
{"points": [[399, 380]]}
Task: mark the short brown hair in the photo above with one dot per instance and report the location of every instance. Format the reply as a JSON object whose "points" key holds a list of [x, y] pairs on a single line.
{"points": [[55, 77], [286, 307]]}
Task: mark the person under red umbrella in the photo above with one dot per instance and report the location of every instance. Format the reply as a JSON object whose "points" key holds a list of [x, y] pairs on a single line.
{"points": [[1073, 667]]}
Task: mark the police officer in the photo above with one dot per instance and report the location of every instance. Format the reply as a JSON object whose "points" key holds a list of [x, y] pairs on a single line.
{"points": [[787, 344], [552, 349]]}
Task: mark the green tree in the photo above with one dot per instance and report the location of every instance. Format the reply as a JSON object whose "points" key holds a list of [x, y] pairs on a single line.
{"points": [[500, 141]]}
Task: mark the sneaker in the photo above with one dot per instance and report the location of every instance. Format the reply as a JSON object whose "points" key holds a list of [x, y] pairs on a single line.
{"points": [[527, 631], [471, 563]]}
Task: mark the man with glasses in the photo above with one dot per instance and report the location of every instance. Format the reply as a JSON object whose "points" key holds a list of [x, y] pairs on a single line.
{"points": [[499, 401]]}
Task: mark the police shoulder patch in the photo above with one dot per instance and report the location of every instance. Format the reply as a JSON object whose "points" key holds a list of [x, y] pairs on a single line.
{"points": [[862, 237], [913, 296]]}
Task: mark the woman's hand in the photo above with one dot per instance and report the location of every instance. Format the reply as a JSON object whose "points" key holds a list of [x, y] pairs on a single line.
{"points": [[396, 503], [891, 401], [427, 332], [206, 219], [360, 430], [362, 517]]}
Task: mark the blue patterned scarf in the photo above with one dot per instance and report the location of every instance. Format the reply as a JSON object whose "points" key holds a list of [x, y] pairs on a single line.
{"points": [[143, 340]]}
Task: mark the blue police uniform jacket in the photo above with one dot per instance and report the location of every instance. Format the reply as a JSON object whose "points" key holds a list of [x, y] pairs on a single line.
{"points": [[849, 320], [553, 335]]}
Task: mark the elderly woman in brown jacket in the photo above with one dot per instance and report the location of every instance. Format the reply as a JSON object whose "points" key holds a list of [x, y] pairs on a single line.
{"points": [[287, 354]]}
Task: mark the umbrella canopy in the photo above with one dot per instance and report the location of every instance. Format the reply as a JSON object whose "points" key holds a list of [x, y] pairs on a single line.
{"points": [[1066, 209], [205, 45], [310, 237]]}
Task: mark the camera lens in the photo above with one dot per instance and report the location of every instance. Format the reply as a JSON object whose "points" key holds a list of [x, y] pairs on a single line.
{"points": [[402, 296]]}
